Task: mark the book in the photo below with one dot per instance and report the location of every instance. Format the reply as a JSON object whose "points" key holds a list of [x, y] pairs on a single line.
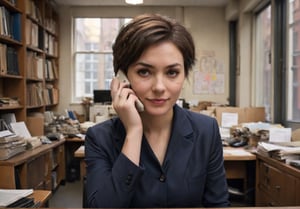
{"points": [[16, 26], [12, 61]]}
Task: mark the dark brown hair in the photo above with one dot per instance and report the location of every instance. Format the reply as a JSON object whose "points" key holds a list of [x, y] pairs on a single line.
{"points": [[149, 29]]}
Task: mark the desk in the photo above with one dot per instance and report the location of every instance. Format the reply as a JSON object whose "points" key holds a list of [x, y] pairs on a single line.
{"points": [[235, 161], [41, 196], [79, 153], [72, 164], [240, 165]]}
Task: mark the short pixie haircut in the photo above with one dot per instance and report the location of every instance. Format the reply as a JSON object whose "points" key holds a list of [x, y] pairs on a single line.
{"points": [[147, 30]]}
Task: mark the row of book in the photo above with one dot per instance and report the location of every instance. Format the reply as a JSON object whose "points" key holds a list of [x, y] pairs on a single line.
{"points": [[33, 10], [10, 24], [35, 37], [35, 67], [51, 71], [51, 45], [37, 95], [8, 60], [34, 34]]}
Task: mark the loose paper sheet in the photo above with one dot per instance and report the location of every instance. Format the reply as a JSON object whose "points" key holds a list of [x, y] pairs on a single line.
{"points": [[280, 134], [20, 129], [229, 119]]}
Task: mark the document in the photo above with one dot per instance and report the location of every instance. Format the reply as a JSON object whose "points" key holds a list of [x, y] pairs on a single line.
{"points": [[20, 129], [8, 196], [280, 134], [229, 119]]}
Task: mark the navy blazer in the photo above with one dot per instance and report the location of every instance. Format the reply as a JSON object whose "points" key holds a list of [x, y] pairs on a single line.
{"points": [[192, 174]]}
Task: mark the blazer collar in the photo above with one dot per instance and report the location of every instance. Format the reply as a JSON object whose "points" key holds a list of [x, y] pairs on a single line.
{"points": [[181, 140]]}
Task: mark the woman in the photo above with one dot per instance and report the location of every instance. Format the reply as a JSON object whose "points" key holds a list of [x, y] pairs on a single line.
{"points": [[164, 156]]}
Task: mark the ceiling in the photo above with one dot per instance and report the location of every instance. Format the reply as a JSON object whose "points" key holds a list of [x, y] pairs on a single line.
{"points": [[220, 3]]}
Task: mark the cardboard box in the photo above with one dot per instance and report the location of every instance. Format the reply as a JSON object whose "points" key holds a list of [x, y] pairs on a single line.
{"points": [[35, 125], [245, 114]]}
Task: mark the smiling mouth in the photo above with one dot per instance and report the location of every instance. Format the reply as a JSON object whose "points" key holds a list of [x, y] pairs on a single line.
{"points": [[158, 101]]}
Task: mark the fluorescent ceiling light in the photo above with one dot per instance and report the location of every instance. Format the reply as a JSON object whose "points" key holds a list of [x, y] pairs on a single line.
{"points": [[134, 1]]}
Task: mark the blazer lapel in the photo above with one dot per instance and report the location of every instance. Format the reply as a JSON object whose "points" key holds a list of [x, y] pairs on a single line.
{"points": [[182, 139]]}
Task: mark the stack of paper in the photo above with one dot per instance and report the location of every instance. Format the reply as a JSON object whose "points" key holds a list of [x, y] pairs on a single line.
{"points": [[9, 196], [280, 152], [10, 144]]}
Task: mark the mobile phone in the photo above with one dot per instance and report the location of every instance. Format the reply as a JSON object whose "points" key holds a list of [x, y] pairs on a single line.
{"points": [[123, 78]]}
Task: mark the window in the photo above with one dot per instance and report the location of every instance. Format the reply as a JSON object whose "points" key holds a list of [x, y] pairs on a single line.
{"points": [[263, 70], [93, 40], [293, 62]]}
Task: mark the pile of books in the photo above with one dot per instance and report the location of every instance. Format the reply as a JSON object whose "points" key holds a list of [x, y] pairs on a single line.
{"points": [[11, 144]]}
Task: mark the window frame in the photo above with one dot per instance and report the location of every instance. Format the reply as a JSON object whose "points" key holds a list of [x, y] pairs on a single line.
{"points": [[98, 52], [255, 99]]}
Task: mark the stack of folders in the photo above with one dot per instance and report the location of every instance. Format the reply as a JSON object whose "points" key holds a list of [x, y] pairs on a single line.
{"points": [[16, 198]]}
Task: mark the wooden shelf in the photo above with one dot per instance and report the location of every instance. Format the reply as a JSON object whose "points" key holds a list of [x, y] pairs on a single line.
{"points": [[34, 168]]}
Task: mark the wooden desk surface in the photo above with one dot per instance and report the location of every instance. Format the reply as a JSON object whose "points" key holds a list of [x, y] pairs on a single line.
{"points": [[41, 196], [79, 152], [237, 154], [230, 154], [74, 139], [24, 156]]}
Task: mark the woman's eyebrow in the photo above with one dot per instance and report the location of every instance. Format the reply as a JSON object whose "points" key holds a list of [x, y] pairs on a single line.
{"points": [[151, 66]]}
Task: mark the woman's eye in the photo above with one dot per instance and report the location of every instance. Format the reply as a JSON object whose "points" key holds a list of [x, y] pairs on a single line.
{"points": [[143, 72], [172, 73]]}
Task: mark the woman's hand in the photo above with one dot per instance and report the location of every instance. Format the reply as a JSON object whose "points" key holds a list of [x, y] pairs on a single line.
{"points": [[123, 100]]}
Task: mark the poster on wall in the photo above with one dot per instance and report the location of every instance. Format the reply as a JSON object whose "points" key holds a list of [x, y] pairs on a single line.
{"points": [[209, 79]]}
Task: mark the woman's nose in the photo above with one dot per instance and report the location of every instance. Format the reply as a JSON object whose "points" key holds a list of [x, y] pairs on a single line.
{"points": [[158, 84]]}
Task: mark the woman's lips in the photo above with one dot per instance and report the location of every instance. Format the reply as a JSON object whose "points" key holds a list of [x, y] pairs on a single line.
{"points": [[158, 101]]}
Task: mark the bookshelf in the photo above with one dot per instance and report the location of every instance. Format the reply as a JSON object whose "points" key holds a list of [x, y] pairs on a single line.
{"points": [[29, 57]]}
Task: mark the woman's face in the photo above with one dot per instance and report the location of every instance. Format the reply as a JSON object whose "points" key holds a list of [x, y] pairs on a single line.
{"points": [[157, 77]]}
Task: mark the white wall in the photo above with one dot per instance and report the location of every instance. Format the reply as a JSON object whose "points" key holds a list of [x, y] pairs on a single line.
{"points": [[208, 26], [210, 31]]}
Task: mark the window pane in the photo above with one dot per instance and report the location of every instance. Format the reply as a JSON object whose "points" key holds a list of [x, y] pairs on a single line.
{"points": [[98, 72], [263, 70], [93, 58], [293, 70]]}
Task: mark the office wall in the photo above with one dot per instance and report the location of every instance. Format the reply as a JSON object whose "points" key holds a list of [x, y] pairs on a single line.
{"points": [[207, 25]]}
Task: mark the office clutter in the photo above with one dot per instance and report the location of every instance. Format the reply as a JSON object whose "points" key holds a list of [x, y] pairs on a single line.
{"points": [[246, 127], [57, 126], [99, 113], [17, 137]]}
